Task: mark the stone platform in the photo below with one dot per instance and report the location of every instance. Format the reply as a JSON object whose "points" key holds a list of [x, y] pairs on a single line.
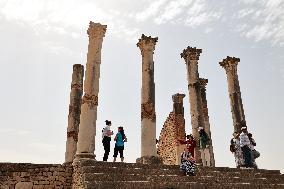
{"points": [[88, 174]]}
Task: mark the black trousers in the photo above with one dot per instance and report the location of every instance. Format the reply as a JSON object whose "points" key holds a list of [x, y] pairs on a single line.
{"points": [[106, 143], [247, 156], [118, 149]]}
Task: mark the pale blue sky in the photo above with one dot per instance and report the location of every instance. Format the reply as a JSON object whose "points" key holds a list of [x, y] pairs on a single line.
{"points": [[41, 39]]}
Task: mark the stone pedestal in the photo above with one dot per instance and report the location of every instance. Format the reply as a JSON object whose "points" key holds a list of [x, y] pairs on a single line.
{"points": [[203, 82], [191, 57], [148, 115], [88, 118], [74, 112], [238, 115]]}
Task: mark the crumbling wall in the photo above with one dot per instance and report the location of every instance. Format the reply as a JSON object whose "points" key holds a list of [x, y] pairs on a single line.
{"points": [[172, 131], [35, 176]]}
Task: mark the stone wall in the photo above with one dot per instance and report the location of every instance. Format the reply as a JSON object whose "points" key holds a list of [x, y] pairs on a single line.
{"points": [[173, 129], [35, 176]]}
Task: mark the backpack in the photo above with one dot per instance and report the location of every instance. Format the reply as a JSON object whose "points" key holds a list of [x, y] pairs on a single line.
{"points": [[232, 146]]}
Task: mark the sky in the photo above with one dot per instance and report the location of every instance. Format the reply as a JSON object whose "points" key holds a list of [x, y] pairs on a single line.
{"points": [[41, 39]]}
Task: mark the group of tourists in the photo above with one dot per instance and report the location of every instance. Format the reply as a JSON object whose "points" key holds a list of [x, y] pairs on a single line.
{"points": [[243, 147], [188, 162], [119, 139]]}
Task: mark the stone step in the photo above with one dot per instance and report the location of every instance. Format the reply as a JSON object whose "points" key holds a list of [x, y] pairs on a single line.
{"points": [[175, 167], [199, 172], [176, 178], [177, 185]]}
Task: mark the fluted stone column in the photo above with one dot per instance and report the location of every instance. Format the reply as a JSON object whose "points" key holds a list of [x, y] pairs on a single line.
{"points": [[203, 82], [191, 57], [148, 114], [230, 65], [74, 112], [88, 118]]}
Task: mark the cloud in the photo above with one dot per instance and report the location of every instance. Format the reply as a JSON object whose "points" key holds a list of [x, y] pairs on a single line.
{"points": [[66, 17], [151, 11], [172, 10], [257, 20], [265, 18], [199, 14], [191, 13]]}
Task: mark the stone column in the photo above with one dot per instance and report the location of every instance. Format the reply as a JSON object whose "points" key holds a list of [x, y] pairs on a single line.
{"points": [[148, 114], [178, 104], [191, 57], [178, 111], [74, 112], [238, 115], [203, 82], [88, 118]]}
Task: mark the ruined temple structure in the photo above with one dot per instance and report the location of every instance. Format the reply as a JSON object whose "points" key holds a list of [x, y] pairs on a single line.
{"points": [[173, 130], [74, 112], [85, 172], [230, 65]]}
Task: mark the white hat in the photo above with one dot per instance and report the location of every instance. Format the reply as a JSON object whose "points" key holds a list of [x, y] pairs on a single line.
{"points": [[200, 128], [243, 128]]}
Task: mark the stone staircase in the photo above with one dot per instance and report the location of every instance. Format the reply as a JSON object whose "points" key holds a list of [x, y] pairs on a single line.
{"points": [[92, 174]]}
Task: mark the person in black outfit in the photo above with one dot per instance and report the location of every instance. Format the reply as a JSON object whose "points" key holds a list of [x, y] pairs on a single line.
{"points": [[106, 135]]}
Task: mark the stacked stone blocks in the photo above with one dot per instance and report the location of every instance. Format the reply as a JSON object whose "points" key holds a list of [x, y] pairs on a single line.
{"points": [[35, 176]]}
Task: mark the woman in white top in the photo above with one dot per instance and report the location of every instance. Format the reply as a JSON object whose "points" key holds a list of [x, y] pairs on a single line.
{"points": [[106, 134]]}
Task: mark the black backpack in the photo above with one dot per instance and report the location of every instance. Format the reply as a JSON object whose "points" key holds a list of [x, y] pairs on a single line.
{"points": [[232, 146]]}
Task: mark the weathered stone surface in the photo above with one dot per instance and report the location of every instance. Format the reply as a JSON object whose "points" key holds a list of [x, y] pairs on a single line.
{"points": [[74, 112], [172, 131], [35, 176], [203, 82], [88, 118], [24, 185], [191, 57], [238, 115], [148, 115]]}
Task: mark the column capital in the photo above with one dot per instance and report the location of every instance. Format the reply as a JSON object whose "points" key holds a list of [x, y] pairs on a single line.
{"points": [[96, 30], [178, 98], [203, 82], [191, 53], [146, 43], [229, 62]]}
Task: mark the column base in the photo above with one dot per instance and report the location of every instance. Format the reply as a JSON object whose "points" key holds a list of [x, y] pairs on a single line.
{"points": [[149, 160], [85, 155]]}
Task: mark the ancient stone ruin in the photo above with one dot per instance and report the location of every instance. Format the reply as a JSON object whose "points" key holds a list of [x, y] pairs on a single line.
{"points": [[148, 114], [173, 129], [230, 65], [74, 112], [156, 167]]}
